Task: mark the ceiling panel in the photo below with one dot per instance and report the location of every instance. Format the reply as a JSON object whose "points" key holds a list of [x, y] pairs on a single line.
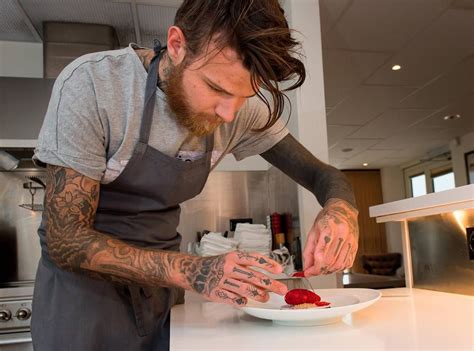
{"points": [[367, 25], [366, 103], [336, 133], [390, 123], [336, 162], [418, 65], [458, 82], [371, 156], [357, 146], [456, 127], [412, 138], [452, 30], [344, 70], [330, 11], [12, 25]]}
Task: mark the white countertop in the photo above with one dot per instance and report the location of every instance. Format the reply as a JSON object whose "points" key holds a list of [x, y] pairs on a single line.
{"points": [[460, 198], [426, 320]]}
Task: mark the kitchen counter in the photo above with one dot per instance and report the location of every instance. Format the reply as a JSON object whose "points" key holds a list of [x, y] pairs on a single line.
{"points": [[425, 320]]}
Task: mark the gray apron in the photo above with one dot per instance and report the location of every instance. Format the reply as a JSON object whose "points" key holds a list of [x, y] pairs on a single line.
{"points": [[72, 312]]}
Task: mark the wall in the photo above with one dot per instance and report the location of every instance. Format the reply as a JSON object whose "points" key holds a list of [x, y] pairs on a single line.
{"points": [[21, 59], [368, 192], [250, 194], [24, 102], [458, 148]]}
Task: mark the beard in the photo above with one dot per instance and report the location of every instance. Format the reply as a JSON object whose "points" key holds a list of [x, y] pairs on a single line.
{"points": [[199, 124]]}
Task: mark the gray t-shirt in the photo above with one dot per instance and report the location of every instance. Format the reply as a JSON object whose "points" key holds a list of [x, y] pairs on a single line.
{"points": [[93, 120]]}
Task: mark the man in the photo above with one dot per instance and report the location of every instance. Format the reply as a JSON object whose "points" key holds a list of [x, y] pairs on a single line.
{"points": [[113, 143]]}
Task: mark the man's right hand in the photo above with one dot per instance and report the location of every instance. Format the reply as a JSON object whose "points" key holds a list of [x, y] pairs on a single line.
{"points": [[229, 279]]}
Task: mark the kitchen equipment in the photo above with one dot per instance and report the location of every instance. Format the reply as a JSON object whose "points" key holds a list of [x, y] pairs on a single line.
{"points": [[19, 247], [32, 190], [343, 302], [7, 161]]}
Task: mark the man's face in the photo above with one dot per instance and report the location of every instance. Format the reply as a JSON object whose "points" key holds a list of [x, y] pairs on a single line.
{"points": [[209, 91]]}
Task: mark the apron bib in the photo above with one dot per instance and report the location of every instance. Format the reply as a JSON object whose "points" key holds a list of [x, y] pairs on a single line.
{"points": [[141, 207]]}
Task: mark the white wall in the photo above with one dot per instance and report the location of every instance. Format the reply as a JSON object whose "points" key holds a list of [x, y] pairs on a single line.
{"points": [[458, 148], [21, 59]]}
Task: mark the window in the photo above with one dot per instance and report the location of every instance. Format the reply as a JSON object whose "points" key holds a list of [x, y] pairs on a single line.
{"points": [[418, 185], [443, 181]]}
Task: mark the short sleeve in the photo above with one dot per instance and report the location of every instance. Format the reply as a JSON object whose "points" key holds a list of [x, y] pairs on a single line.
{"points": [[249, 142], [73, 134]]}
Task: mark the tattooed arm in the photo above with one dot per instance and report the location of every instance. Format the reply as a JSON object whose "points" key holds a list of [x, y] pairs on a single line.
{"points": [[332, 242], [71, 201]]}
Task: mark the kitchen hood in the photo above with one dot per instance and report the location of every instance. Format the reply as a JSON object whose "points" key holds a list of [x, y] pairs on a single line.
{"points": [[64, 41]]}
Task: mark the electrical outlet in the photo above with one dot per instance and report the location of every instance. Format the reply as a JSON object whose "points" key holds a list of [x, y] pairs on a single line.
{"points": [[470, 242]]}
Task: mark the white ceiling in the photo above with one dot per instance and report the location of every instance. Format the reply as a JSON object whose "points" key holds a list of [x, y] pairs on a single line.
{"points": [[387, 118], [390, 117]]}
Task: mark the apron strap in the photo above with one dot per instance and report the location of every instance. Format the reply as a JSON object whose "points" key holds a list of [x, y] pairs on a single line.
{"points": [[150, 93]]}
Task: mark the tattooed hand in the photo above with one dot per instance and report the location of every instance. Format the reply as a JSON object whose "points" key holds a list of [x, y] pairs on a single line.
{"points": [[333, 240], [229, 279]]}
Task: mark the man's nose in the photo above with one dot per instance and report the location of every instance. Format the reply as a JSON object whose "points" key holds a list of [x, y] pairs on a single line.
{"points": [[228, 108]]}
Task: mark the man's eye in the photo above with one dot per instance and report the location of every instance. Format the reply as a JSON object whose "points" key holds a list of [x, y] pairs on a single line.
{"points": [[215, 89]]}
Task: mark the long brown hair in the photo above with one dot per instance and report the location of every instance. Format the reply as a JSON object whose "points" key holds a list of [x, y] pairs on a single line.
{"points": [[258, 31]]}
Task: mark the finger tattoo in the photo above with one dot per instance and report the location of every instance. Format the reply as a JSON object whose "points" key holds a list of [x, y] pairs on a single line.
{"points": [[241, 271], [253, 292], [227, 282], [339, 244]]}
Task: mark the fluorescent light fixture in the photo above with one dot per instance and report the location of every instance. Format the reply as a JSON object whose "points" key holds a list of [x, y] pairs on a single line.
{"points": [[396, 68]]}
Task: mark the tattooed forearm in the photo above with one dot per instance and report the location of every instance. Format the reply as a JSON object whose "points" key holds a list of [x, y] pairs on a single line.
{"points": [[71, 201]]}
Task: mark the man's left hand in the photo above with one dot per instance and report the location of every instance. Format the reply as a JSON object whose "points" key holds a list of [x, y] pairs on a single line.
{"points": [[332, 242]]}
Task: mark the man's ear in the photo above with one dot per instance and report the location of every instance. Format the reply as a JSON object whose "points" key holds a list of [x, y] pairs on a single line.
{"points": [[176, 45]]}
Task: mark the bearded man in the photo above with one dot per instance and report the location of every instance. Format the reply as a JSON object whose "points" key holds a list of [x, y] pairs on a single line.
{"points": [[117, 131]]}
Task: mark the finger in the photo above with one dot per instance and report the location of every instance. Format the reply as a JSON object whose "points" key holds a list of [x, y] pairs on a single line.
{"points": [[228, 297], [244, 289], [257, 260], [257, 279], [308, 253], [343, 257], [321, 252]]}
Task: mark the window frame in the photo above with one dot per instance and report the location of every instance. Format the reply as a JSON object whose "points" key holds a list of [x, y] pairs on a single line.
{"points": [[428, 169], [440, 173]]}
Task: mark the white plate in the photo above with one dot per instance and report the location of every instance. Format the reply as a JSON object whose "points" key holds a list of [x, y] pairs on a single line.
{"points": [[343, 302]]}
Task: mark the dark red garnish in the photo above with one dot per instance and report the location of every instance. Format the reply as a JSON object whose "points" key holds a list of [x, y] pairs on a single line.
{"points": [[322, 303], [299, 296], [298, 275]]}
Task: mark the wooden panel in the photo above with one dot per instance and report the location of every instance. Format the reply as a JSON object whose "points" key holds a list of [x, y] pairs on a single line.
{"points": [[368, 192]]}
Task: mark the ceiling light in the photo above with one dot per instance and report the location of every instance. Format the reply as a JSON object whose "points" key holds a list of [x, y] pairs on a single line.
{"points": [[451, 117], [396, 68], [365, 164]]}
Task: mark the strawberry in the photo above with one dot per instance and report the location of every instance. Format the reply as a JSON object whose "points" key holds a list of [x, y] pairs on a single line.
{"points": [[299, 296], [298, 275]]}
